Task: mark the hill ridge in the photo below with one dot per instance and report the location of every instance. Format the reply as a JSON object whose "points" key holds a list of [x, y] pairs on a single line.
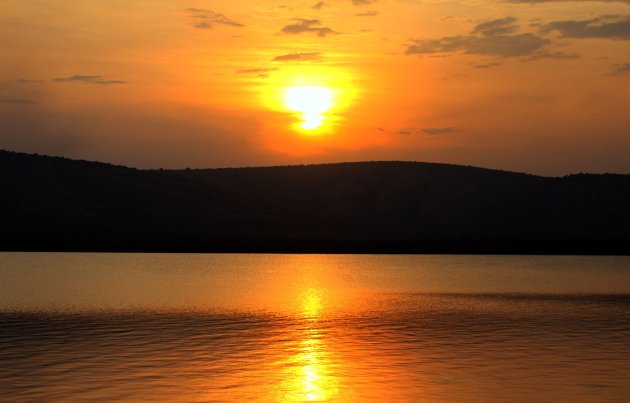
{"points": [[341, 163], [55, 203]]}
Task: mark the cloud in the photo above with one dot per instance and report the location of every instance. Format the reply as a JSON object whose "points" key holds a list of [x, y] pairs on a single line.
{"points": [[304, 25], [620, 69], [552, 55], [370, 13], [256, 70], [500, 26], [15, 101], [319, 6], [441, 130], [25, 81], [259, 72], [297, 57], [607, 26], [554, 1], [490, 38], [363, 2], [100, 80], [487, 65], [206, 19], [504, 45], [434, 131]]}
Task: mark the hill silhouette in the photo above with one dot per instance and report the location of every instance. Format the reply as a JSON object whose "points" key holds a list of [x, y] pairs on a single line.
{"points": [[51, 203]]}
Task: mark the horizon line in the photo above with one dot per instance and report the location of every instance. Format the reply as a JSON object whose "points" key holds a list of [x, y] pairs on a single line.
{"points": [[297, 165]]}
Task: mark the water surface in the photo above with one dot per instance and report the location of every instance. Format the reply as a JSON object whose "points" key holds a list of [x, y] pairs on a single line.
{"points": [[212, 328]]}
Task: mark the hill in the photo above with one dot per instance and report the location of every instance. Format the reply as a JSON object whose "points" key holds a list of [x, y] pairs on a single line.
{"points": [[51, 203]]}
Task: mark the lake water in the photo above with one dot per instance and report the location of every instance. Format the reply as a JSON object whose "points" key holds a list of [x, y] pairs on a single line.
{"points": [[293, 328]]}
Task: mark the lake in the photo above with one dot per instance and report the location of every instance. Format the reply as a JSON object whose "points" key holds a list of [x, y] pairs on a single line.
{"points": [[293, 328]]}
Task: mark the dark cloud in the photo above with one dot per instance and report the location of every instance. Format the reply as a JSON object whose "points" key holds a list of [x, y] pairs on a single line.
{"points": [[491, 38], [100, 80], [370, 13], [487, 65], [503, 45], [620, 69], [427, 130], [500, 26], [206, 19], [319, 6], [297, 57], [363, 2], [607, 26], [441, 130], [304, 25], [15, 101], [552, 55], [434, 131]]}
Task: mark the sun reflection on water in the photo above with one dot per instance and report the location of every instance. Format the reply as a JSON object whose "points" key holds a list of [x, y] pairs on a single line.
{"points": [[310, 374], [312, 304]]}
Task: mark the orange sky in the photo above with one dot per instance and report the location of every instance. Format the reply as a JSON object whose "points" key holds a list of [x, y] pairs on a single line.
{"points": [[529, 85]]}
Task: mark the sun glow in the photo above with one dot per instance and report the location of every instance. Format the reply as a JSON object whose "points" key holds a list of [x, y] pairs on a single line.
{"points": [[312, 99], [312, 102]]}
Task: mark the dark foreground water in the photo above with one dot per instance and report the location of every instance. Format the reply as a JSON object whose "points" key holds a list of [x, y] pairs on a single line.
{"points": [[292, 328]]}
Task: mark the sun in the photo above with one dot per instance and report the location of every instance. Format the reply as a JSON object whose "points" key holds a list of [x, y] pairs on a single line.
{"points": [[311, 102], [311, 99]]}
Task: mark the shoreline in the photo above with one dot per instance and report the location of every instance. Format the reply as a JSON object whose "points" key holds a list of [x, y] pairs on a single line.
{"points": [[445, 247]]}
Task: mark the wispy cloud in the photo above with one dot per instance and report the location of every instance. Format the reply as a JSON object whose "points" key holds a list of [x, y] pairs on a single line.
{"points": [[551, 55], [491, 38], [307, 26], [370, 13], [620, 69], [363, 2], [258, 72], [487, 65], [25, 81], [405, 132], [606, 26], [298, 57], [499, 26], [434, 131], [441, 130], [15, 101], [319, 6], [558, 1], [206, 19], [100, 80]]}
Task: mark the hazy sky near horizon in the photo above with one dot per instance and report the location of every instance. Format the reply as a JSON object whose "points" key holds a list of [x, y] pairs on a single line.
{"points": [[529, 85]]}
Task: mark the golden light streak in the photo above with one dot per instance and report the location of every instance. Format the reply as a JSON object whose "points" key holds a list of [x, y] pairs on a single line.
{"points": [[310, 374]]}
